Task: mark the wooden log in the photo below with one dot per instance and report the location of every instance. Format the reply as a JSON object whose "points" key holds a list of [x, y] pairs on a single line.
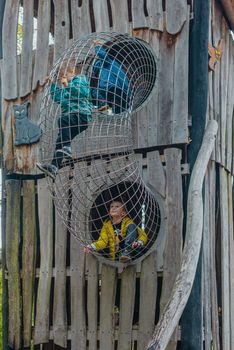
{"points": [[176, 15], [28, 258], [120, 19], [42, 50], [127, 299], [92, 300], [13, 189], [225, 251], [45, 212], [148, 292], [107, 303], [9, 46], [139, 19], [184, 281], [81, 22], [155, 12], [27, 49], [101, 16], [62, 27]]}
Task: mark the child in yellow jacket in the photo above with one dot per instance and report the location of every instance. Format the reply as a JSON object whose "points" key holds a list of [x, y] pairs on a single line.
{"points": [[119, 234]]}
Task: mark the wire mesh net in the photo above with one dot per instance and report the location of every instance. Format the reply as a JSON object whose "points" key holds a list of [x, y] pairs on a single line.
{"points": [[87, 145]]}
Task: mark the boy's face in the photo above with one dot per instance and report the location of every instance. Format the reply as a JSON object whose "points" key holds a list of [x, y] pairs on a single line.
{"points": [[68, 73], [117, 210]]}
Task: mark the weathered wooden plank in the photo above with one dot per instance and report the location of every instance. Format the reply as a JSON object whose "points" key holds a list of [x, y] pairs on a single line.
{"points": [[231, 258], [156, 173], [225, 251], [107, 303], [81, 22], [101, 16], [9, 46], [148, 295], [59, 309], [174, 225], [26, 66], [62, 27], [8, 151], [13, 188], [155, 13], [138, 15], [127, 298], [42, 50], [28, 258], [176, 15], [180, 99], [213, 277], [92, 300], [120, 16], [45, 212]]}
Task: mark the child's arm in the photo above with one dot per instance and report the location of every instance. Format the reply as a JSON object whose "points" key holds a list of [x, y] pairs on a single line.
{"points": [[100, 244], [142, 239]]}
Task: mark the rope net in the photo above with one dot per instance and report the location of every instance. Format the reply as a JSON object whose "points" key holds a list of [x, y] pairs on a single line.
{"points": [[87, 145]]}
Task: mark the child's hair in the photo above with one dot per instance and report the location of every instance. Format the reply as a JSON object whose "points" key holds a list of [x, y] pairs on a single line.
{"points": [[68, 65]]}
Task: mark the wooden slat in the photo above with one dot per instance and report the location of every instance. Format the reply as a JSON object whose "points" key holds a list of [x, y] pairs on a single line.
{"points": [[28, 258], [176, 14], [156, 173], [62, 27], [8, 151], [225, 251], [13, 188], [127, 298], [174, 224], [180, 99], [107, 303], [45, 208], [120, 16], [42, 51], [27, 49], [148, 295], [138, 16], [81, 23], [59, 309], [231, 258], [92, 300], [155, 12], [101, 17], [9, 46]]}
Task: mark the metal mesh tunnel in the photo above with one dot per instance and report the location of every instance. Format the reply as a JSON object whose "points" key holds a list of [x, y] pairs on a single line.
{"points": [[87, 147]]}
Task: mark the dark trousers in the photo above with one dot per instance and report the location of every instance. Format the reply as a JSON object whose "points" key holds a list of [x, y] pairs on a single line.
{"points": [[69, 127], [131, 236]]}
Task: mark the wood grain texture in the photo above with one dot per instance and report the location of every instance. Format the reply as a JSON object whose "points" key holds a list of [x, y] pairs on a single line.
{"points": [[101, 16], [176, 15], [62, 27], [139, 19]]}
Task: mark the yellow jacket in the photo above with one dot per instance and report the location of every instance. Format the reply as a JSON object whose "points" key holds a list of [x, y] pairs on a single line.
{"points": [[107, 236]]}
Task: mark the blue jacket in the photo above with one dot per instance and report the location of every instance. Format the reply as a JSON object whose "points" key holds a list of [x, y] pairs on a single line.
{"points": [[110, 75], [75, 98]]}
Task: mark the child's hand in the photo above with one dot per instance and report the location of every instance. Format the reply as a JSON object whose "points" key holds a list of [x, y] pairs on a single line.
{"points": [[97, 42], [103, 108], [88, 249], [64, 81], [136, 244]]}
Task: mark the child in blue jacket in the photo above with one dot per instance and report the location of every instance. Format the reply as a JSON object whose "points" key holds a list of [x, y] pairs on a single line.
{"points": [[72, 93], [110, 84]]}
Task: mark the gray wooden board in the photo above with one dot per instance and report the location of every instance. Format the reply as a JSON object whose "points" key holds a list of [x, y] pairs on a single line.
{"points": [[176, 15], [101, 16], [59, 309], [8, 154], [28, 258], [148, 295], [213, 278], [174, 224], [156, 173], [45, 212], [127, 299], [27, 49], [42, 50], [206, 267], [120, 16], [138, 16], [155, 12], [180, 99], [225, 280], [231, 258], [9, 46], [13, 188], [81, 21], [92, 300], [62, 27], [107, 303]]}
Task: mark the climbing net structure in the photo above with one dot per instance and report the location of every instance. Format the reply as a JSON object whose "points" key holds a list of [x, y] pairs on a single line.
{"points": [[87, 145]]}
